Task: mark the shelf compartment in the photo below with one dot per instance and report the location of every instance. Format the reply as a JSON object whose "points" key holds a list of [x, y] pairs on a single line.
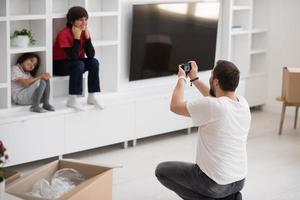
{"points": [[3, 85], [104, 28], [3, 53], [61, 86], [4, 98], [101, 43], [27, 17], [240, 53], [103, 14], [258, 63], [37, 27], [108, 59], [58, 15], [41, 54], [65, 78], [239, 32], [62, 6], [2, 8], [259, 41], [27, 7], [241, 3], [58, 24], [259, 31], [30, 48], [242, 19], [102, 5], [91, 14], [258, 51], [240, 8], [259, 14]]}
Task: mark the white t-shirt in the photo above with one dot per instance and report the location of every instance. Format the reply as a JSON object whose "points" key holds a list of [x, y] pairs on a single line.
{"points": [[223, 129], [16, 73]]}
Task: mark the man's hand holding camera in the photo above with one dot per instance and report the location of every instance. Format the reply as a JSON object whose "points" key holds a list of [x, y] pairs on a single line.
{"points": [[181, 73], [194, 70], [190, 69]]}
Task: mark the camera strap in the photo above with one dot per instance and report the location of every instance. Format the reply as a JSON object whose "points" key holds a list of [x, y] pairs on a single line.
{"points": [[191, 81]]}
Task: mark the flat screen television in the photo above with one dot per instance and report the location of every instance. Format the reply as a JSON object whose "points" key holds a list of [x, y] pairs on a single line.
{"points": [[165, 35]]}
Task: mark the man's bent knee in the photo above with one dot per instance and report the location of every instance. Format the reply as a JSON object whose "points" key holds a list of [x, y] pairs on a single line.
{"points": [[162, 169]]}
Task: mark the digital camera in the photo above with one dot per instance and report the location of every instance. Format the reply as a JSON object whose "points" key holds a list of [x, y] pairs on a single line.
{"points": [[186, 67]]}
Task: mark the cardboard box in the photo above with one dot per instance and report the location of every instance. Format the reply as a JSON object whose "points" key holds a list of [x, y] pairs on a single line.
{"points": [[98, 183], [10, 176], [291, 84]]}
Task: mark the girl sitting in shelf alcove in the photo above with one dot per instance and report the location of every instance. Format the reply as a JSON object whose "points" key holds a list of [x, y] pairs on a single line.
{"points": [[26, 87]]}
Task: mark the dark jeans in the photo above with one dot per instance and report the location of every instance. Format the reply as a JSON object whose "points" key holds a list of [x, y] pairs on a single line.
{"points": [[190, 183], [76, 68]]}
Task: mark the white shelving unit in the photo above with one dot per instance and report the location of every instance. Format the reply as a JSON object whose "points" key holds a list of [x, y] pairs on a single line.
{"points": [[27, 7], [245, 43], [45, 18]]}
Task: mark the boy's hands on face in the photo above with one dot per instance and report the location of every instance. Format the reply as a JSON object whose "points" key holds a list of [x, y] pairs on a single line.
{"points": [[87, 32], [76, 32]]}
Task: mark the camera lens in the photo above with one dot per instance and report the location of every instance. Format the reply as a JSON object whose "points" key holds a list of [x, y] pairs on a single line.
{"points": [[186, 67]]}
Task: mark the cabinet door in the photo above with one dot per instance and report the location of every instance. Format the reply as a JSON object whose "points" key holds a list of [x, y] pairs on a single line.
{"points": [[34, 139], [255, 90], [153, 116], [96, 128]]}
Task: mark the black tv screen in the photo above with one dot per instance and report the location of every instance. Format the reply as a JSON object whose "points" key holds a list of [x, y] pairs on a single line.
{"points": [[168, 34]]}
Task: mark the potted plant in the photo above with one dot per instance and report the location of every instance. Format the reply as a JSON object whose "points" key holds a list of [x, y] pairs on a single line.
{"points": [[3, 159], [22, 38]]}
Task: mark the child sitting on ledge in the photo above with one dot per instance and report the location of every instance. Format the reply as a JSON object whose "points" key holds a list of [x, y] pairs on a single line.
{"points": [[73, 55], [26, 89]]}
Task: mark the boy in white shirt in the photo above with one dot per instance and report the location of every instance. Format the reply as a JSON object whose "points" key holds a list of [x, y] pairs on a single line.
{"points": [[224, 120]]}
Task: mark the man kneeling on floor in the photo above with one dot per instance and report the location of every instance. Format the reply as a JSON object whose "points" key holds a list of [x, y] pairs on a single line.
{"points": [[223, 119]]}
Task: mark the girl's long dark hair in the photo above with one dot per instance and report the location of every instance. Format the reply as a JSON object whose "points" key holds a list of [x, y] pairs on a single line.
{"points": [[26, 56]]}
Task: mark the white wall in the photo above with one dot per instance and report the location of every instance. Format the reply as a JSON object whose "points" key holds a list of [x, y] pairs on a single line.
{"points": [[283, 45]]}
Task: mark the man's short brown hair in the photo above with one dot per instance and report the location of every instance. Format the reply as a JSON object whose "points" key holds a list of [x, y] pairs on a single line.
{"points": [[227, 74]]}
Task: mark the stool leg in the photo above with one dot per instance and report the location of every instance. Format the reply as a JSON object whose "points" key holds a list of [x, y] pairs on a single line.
{"points": [[296, 116], [282, 118]]}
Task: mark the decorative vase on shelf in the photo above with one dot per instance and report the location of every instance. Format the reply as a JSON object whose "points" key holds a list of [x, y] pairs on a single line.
{"points": [[20, 41], [2, 189]]}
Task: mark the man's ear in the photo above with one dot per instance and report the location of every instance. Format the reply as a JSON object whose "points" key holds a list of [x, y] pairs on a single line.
{"points": [[216, 83]]}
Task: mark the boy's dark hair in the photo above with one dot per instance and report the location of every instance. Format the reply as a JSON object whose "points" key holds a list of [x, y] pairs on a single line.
{"points": [[75, 13], [26, 56], [227, 74]]}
